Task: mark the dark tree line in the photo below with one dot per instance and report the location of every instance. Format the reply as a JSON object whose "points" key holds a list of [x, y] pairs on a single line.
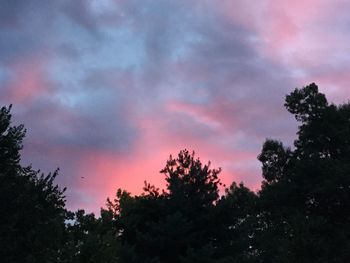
{"points": [[301, 213]]}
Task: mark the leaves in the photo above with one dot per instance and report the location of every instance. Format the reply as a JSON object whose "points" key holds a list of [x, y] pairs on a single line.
{"points": [[304, 202], [300, 214]]}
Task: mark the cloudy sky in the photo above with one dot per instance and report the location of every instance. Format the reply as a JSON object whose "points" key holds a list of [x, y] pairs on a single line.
{"points": [[108, 89]]}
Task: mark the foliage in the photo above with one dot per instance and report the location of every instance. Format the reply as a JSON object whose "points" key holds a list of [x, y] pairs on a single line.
{"points": [[11, 138], [33, 214], [90, 239], [180, 224], [300, 214], [305, 197]]}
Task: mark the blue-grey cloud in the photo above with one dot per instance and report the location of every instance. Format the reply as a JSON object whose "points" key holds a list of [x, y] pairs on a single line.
{"points": [[103, 86]]}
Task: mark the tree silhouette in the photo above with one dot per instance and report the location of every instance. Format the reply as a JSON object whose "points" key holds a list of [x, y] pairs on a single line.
{"points": [[235, 221], [192, 193], [305, 198], [31, 205], [11, 138], [300, 214], [176, 225], [90, 239]]}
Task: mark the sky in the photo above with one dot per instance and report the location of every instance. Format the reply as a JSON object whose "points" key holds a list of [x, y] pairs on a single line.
{"points": [[108, 89]]}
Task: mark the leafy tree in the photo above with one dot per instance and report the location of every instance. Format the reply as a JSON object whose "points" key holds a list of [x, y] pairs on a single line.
{"points": [[305, 198], [176, 225], [137, 218], [33, 214], [235, 221], [189, 183], [11, 138], [192, 192], [301, 213], [90, 239]]}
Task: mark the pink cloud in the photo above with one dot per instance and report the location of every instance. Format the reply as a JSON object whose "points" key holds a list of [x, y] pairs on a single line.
{"points": [[194, 111], [104, 172], [335, 84], [308, 37], [211, 84], [29, 81], [285, 29]]}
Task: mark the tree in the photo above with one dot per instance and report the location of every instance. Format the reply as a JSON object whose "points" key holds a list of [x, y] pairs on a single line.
{"points": [[192, 194], [301, 213], [305, 197], [175, 225], [33, 213], [235, 221], [11, 138], [90, 239], [137, 221], [189, 183]]}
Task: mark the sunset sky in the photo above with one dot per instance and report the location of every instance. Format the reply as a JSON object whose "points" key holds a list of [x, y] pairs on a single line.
{"points": [[108, 89]]}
